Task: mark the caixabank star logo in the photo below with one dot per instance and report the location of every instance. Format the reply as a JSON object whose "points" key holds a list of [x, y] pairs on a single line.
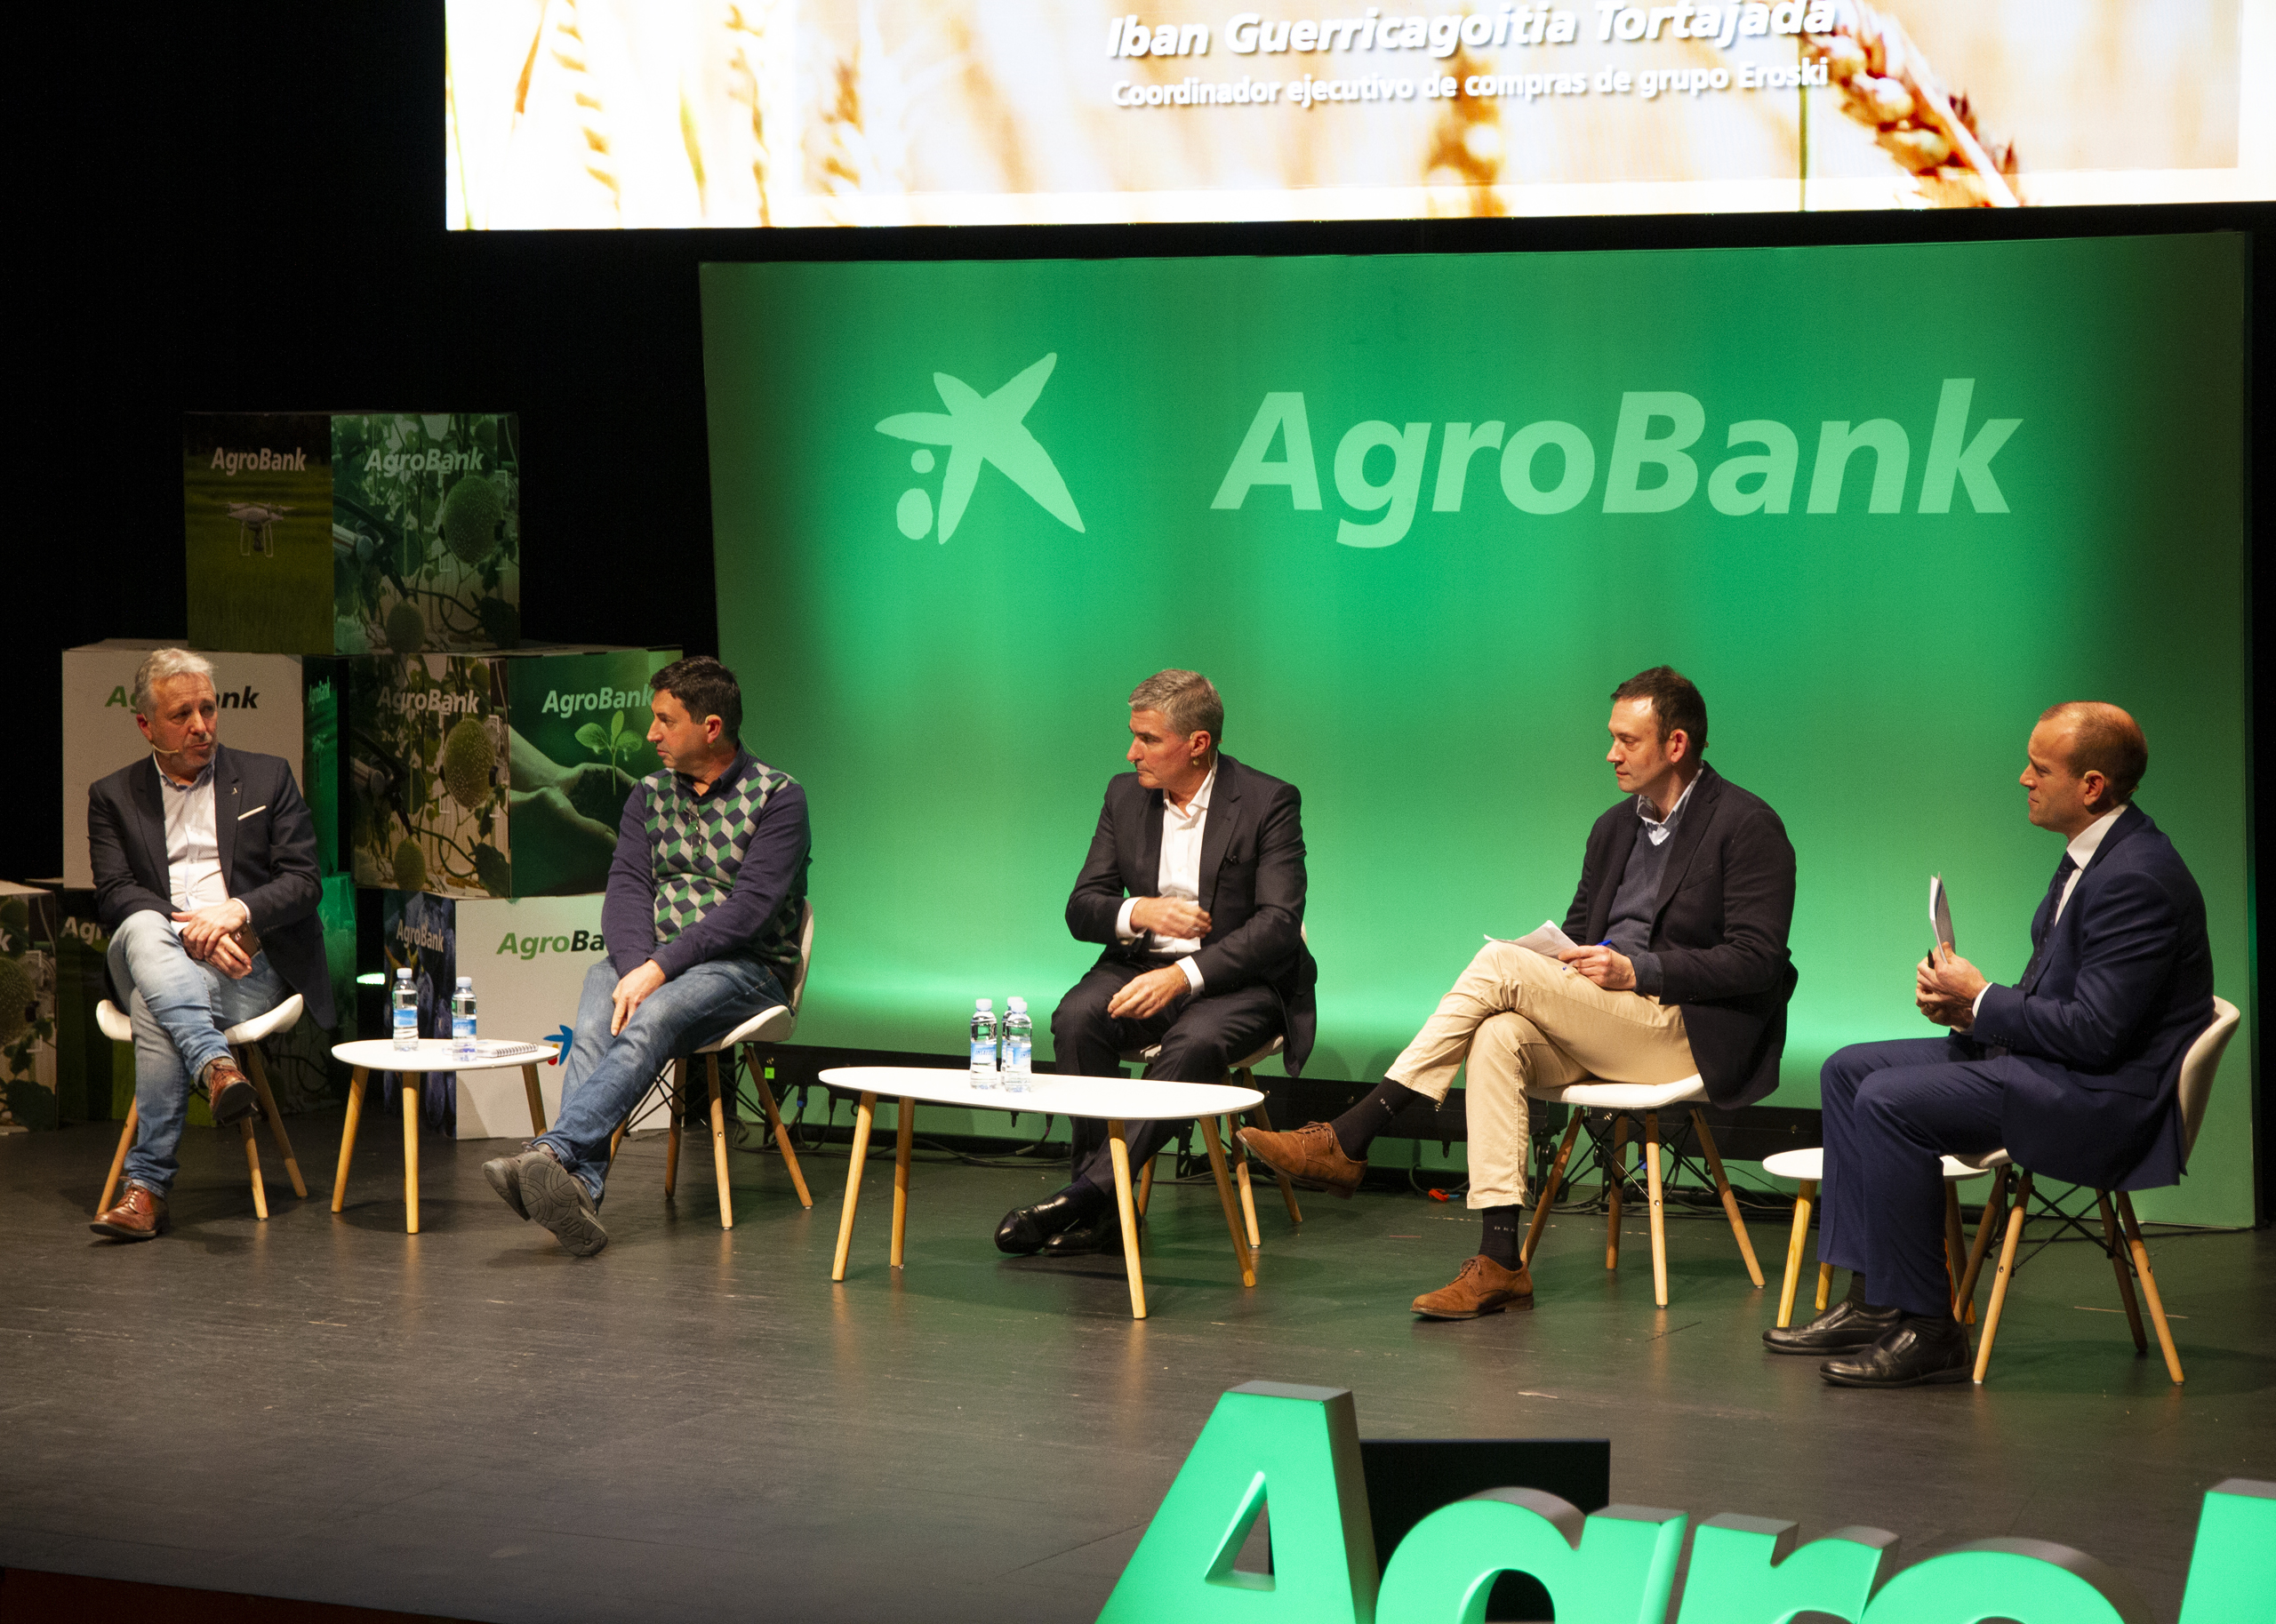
{"points": [[979, 429]]}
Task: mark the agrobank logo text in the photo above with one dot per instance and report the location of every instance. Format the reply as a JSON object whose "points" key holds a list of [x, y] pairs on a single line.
{"points": [[1551, 467]]}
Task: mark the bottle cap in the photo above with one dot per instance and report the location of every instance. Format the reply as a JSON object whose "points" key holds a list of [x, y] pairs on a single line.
{"points": [[466, 980], [404, 974], [1018, 1004], [981, 1003]]}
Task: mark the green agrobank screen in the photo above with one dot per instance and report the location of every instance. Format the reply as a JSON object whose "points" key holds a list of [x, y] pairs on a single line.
{"points": [[1416, 516]]}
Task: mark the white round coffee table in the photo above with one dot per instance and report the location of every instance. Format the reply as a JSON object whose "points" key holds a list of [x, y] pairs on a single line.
{"points": [[370, 1054], [1115, 1100]]}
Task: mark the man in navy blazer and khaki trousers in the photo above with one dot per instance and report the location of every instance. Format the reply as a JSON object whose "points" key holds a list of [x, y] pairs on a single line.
{"points": [[1194, 886], [205, 875], [2075, 1069]]}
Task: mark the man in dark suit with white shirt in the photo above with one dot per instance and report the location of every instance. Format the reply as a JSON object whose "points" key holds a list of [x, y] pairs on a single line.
{"points": [[205, 875], [1195, 886], [2075, 1069]]}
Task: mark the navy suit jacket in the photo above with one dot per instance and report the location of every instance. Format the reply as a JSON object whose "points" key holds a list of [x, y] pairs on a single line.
{"points": [[1252, 887], [2095, 1032], [268, 859]]}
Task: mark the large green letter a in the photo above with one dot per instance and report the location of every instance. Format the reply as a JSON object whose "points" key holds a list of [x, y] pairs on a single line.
{"points": [[1297, 1448]]}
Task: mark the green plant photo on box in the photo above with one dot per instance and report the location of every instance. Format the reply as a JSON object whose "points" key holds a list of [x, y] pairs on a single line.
{"points": [[427, 781], [426, 521]]}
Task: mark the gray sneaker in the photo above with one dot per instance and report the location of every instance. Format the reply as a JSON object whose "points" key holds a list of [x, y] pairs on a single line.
{"points": [[505, 1176], [554, 1198]]}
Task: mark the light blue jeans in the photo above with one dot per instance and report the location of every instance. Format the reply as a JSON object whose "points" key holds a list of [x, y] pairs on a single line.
{"points": [[180, 1009], [602, 1077]]}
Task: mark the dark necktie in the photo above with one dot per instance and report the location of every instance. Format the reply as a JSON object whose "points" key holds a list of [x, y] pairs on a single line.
{"points": [[2063, 870]]}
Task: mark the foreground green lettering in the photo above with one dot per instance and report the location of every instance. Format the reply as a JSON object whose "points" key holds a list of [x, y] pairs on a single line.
{"points": [[1745, 1570], [1295, 1448], [2232, 1568], [2029, 1581], [1615, 1567]]}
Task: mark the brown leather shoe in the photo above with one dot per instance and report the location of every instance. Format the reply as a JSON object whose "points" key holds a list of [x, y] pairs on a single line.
{"points": [[1310, 1156], [140, 1215], [1482, 1287], [228, 1092]]}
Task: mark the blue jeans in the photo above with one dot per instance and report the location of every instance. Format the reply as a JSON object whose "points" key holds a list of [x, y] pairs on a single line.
{"points": [[180, 1008], [1891, 1111], [604, 1077]]}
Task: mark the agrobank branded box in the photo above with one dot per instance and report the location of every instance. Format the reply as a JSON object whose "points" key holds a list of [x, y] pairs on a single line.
{"points": [[275, 704]]}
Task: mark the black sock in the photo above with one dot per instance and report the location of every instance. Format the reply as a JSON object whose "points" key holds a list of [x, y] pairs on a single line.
{"points": [[1500, 1242], [1357, 1128], [1857, 1290]]}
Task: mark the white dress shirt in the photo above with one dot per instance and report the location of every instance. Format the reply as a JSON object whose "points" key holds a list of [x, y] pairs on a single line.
{"points": [[2081, 851], [193, 842], [1178, 875]]}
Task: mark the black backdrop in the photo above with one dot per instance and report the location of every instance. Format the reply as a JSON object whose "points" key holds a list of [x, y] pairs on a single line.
{"points": [[240, 206]]}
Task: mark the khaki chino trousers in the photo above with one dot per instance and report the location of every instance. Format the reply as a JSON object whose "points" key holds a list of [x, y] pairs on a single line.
{"points": [[1522, 1020]]}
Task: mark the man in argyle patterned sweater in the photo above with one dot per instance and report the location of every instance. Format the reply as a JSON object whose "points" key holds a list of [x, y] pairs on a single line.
{"points": [[701, 921]]}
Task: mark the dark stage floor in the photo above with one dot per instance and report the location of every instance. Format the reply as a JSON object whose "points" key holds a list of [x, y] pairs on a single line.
{"points": [[699, 1424]]}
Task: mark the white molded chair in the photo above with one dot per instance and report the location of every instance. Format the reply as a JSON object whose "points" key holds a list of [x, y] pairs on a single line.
{"points": [[1243, 1073], [1647, 1100], [772, 1025], [2129, 1256], [1807, 1167], [244, 1040]]}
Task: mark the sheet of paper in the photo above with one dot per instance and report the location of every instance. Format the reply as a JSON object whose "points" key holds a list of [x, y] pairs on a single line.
{"points": [[500, 1049], [1548, 940], [1940, 912]]}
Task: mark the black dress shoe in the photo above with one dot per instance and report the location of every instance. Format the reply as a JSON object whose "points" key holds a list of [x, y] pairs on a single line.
{"points": [[1024, 1230], [1844, 1326], [1915, 1351], [1101, 1232]]}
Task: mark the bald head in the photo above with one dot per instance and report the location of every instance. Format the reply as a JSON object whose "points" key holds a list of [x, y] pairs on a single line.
{"points": [[2103, 739]]}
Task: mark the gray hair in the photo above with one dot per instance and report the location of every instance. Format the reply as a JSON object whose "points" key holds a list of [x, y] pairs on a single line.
{"points": [[1188, 699], [158, 665]]}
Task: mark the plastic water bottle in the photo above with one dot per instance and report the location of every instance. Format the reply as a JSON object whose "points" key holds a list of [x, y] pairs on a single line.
{"points": [[1019, 1046], [983, 1044], [406, 1011], [462, 1020]]}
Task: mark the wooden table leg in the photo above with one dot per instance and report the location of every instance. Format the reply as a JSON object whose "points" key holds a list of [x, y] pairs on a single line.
{"points": [[407, 1085], [1805, 1195], [1547, 1195], [774, 1127], [1117, 1144], [118, 1158], [2015, 1236], [2114, 1243], [1729, 1195], [2148, 1286], [1248, 1196], [275, 1120], [1241, 1252], [537, 1100], [862, 1114], [252, 1162], [719, 1142], [904, 1139], [1659, 1218], [356, 1080], [1612, 1178]]}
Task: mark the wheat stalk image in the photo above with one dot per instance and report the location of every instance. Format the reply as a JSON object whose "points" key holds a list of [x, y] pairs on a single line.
{"points": [[1464, 160], [1887, 85]]}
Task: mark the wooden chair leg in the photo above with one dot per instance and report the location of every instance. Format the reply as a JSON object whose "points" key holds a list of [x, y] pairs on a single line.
{"points": [[1730, 1197], [1241, 1253], [118, 1158], [774, 1125], [674, 1107], [275, 1120], [864, 1114], [719, 1143], [1986, 1227], [1145, 1184], [357, 1080], [1825, 1285], [2120, 1263], [1241, 1181], [1955, 1244], [1612, 1181], [2149, 1286], [253, 1164], [1804, 1196], [1659, 1220], [1263, 1119], [2015, 1236], [1547, 1196]]}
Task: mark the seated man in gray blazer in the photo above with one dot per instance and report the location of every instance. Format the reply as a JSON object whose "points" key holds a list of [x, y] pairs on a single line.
{"points": [[1195, 888], [205, 876]]}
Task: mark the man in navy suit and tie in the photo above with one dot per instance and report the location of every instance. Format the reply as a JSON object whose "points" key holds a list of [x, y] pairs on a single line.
{"points": [[1194, 886], [2075, 1069]]}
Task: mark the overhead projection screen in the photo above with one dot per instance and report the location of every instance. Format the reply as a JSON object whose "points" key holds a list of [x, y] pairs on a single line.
{"points": [[602, 114]]}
